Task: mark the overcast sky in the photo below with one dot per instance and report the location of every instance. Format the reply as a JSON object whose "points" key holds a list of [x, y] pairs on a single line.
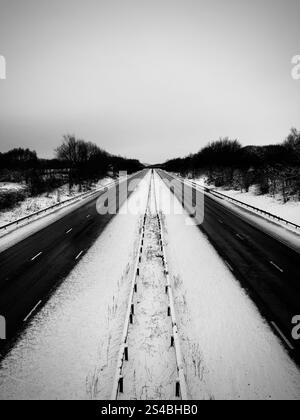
{"points": [[148, 79]]}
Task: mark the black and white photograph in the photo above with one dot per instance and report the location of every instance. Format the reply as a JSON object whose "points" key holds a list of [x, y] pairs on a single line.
{"points": [[149, 203]]}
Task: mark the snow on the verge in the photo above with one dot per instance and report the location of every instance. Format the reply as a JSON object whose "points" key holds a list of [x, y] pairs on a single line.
{"points": [[289, 211], [229, 350], [11, 186], [15, 234], [150, 373], [69, 349], [280, 231], [33, 204]]}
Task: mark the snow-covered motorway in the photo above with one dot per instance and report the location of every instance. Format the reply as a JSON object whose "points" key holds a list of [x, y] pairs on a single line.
{"points": [[70, 347], [36, 265], [266, 266]]}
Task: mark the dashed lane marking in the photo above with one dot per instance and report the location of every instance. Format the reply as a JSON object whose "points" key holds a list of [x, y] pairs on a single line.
{"points": [[79, 255], [37, 255], [276, 266], [240, 236], [30, 313], [282, 336]]}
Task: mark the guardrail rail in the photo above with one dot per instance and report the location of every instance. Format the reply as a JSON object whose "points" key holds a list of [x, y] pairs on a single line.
{"points": [[62, 204], [241, 203]]}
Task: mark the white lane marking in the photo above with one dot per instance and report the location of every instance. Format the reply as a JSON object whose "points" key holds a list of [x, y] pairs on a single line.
{"points": [[88, 216], [283, 336], [79, 255], [240, 236], [70, 230], [221, 221], [28, 316], [276, 266], [229, 266], [34, 258]]}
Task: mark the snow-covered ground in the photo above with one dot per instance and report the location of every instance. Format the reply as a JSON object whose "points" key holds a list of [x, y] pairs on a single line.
{"points": [[33, 204], [69, 350], [150, 373], [16, 233], [11, 186], [289, 211], [279, 230], [229, 350]]}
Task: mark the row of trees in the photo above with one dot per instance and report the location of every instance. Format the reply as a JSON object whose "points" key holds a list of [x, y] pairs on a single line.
{"points": [[87, 162], [76, 162], [225, 163], [18, 159]]}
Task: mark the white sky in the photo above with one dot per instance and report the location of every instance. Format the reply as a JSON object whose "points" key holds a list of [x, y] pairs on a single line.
{"points": [[148, 79]]}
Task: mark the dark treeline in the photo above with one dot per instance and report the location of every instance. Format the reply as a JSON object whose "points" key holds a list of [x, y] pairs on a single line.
{"points": [[87, 162], [274, 168], [76, 162]]}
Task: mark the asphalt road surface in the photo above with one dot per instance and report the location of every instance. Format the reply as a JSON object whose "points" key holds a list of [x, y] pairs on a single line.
{"points": [[266, 268], [34, 267]]}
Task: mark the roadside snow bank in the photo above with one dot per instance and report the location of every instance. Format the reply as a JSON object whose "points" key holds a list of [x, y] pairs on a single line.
{"points": [[279, 230], [11, 186], [33, 204], [15, 234], [70, 348], [229, 350], [289, 211]]}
